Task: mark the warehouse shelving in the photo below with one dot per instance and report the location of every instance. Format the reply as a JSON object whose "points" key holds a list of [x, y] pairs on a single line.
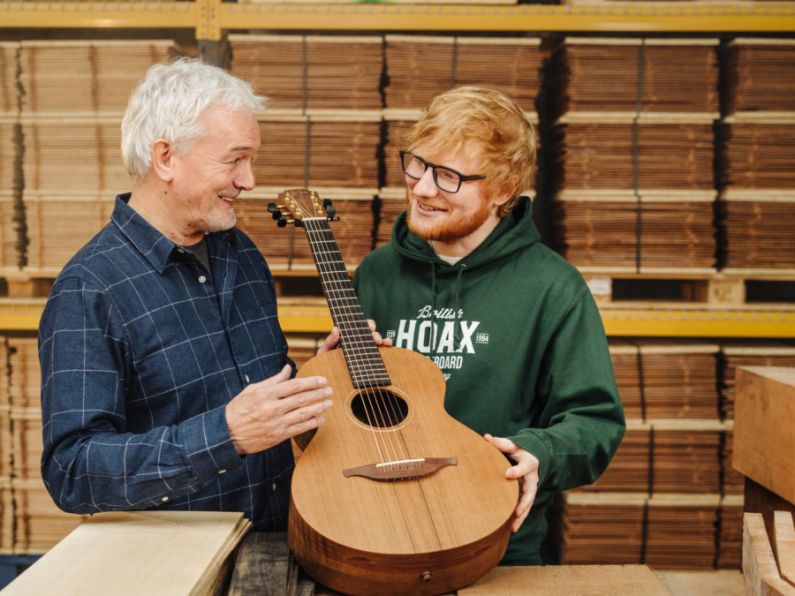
{"points": [[210, 18]]}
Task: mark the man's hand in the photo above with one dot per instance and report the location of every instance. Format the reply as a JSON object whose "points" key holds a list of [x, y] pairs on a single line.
{"points": [[266, 413], [526, 470], [333, 339]]}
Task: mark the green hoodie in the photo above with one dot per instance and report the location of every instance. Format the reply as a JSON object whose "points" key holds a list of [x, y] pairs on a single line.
{"points": [[516, 333]]}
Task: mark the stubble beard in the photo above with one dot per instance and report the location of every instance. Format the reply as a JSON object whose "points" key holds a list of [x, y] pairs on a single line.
{"points": [[448, 231]]}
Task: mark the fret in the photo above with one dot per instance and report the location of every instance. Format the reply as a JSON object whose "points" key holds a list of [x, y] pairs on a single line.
{"points": [[365, 365]]}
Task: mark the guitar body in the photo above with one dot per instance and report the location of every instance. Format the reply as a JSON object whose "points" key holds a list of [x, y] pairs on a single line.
{"points": [[419, 535]]}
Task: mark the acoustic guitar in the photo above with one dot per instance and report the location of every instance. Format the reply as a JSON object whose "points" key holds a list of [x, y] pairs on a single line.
{"points": [[392, 495]]}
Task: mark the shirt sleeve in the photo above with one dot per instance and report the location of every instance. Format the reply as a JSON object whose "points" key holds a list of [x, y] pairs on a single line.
{"points": [[581, 422], [91, 462]]}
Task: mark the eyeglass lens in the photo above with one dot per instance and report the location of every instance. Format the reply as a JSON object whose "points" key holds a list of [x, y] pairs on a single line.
{"points": [[446, 180]]}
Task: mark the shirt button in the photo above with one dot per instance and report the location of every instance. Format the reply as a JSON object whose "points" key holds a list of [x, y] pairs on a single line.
{"points": [[246, 377], [164, 499], [202, 279], [222, 471], [274, 488]]}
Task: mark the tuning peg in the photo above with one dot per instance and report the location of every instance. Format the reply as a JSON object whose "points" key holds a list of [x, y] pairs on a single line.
{"points": [[326, 203], [331, 212], [272, 207], [281, 222]]}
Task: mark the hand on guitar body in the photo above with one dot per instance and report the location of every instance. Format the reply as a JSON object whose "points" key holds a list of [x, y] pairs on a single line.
{"points": [[332, 340], [525, 470], [266, 413]]}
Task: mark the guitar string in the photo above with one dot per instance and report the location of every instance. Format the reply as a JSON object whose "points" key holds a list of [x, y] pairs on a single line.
{"points": [[377, 403], [374, 413]]}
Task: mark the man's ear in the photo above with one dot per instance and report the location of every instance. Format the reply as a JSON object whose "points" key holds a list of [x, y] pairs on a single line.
{"points": [[163, 160]]}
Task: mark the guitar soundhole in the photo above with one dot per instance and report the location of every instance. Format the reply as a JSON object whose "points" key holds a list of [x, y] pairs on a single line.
{"points": [[379, 408]]}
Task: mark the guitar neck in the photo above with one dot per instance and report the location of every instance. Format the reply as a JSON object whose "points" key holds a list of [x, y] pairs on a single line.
{"points": [[365, 364]]}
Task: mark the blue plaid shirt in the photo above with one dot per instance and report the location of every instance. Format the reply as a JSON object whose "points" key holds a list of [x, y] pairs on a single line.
{"points": [[140, 352]]}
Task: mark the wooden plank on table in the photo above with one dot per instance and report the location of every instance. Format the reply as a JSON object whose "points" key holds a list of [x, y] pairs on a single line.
{"points": [[568, 579], [785, 544], [763, 437], [759, 565], [143, 552]]}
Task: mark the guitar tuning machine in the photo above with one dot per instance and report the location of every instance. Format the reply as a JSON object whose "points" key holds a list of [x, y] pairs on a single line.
{"points": [[331, 212], [274, 210]]}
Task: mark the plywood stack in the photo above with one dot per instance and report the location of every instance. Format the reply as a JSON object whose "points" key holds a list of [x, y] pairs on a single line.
{"points": [[73, 95], [670, 454], [420, 67], [631, 153], [730, 532], [39, 524], [681, 531], [629, 470], [10, 154], [757, 155], [311, 72]]}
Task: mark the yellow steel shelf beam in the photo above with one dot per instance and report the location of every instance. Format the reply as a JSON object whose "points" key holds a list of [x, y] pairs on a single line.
{"points": [[24, 315], [638, 17], [209, 18], [143, 14]]}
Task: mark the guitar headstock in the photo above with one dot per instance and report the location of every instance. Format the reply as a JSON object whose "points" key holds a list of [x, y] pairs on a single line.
{"points": [[300, 203]]}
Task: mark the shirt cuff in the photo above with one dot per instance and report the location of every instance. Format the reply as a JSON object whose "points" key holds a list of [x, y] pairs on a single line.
{"points": [[208, 445]]}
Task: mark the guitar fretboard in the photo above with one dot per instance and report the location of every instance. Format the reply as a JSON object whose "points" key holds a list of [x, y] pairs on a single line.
{"points": [[361, 354]]}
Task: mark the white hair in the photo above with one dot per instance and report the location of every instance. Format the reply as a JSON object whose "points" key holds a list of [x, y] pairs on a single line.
{"points": [[169, 103]]}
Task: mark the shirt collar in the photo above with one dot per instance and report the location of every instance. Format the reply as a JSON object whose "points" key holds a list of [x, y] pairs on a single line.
{"points": [[152, 245]]}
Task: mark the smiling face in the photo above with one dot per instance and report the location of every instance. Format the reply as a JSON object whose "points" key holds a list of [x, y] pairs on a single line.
{"points": [[211, 173], [455, 223]]}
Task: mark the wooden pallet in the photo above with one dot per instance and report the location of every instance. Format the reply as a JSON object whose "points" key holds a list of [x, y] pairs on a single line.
{"points": [[704, 287]]}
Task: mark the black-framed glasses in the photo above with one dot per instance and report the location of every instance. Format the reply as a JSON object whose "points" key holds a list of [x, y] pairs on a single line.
{"points": [[445, 178]]}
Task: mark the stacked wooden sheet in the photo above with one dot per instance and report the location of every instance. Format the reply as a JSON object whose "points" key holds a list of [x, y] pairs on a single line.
{"points": [[9, 93], [758, 153], [686, 456], [603, 528], [681, 531], [24, 378], [629, 469], [648, 230], [420, 67], [39, 524], [146, 552], [392, 202], [625, 356], [60, 223], [71, 78], [311, 72], [758, 225], [629, 75], [333, 150], [759, 73], [597, 150], [730, 532]]}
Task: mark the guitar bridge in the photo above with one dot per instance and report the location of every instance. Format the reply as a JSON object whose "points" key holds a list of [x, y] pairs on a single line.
{"points": [[401, 469]]}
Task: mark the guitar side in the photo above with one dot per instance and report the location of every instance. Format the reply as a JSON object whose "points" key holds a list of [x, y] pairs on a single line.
{"points": [[431, 534]]}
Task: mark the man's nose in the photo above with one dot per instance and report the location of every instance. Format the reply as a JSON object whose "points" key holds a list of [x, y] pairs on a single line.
{"points": [[245, 178], [425, 185]]}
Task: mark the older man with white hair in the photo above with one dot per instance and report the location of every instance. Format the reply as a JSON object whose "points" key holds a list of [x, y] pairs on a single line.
{"points": [[165, 376]]}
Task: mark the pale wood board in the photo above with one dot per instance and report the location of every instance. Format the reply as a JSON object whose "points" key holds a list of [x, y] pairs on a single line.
{"points": [[606, 580], [763, 437], [785, 544], [703, 583], [759, 564], [147, 552]]}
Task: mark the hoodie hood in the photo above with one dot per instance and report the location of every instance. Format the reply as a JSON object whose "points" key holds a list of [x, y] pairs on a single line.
{"points": [[514, 232]]}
